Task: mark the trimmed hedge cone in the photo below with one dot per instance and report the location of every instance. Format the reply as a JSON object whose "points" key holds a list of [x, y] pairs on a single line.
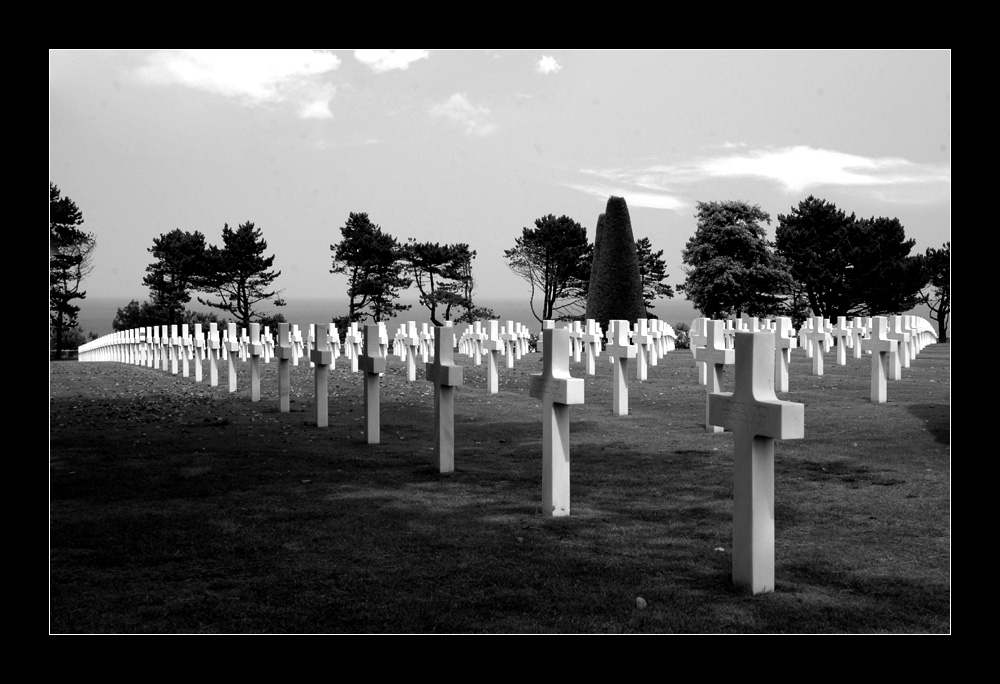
{"points": [[615, 291]]}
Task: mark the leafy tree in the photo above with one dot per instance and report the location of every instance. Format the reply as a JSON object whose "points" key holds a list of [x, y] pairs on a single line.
{"points": [[847, 266], [615, 290], [683, 331], [70, 261], [731, 267], [467, 285], [375, 268], [652, 271], [238, 274], [937, 265], [180, 267], [136, 315], [554, 257], [439, 273]]}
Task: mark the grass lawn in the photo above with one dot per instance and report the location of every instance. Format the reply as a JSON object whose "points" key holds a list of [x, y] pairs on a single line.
{"points": [[176, 507]]}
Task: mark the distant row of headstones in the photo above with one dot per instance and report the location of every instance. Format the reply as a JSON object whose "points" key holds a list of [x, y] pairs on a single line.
{"points": [[759, 350]]}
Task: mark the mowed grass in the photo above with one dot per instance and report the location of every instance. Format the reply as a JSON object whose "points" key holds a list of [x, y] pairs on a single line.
{"points": [[176, 507]]}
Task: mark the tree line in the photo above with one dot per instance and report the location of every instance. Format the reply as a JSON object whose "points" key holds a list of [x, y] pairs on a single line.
{"points": [[822, 262]]}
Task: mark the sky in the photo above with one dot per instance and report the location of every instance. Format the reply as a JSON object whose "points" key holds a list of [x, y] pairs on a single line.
{"points": [[472, 146]]}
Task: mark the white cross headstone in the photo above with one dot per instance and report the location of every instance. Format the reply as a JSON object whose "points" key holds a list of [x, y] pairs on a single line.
{"points": [[644, 343], [322, 358], [784, 343], [411, 341], [858, 333], [233, 349], [757, 418], [697, 338], [352, 345], [446, 376], [820, 340], [576, 340], [509, 337], [492, 345], [152, 342], [900, 335], [883, 351], [372, 363], [842, 337], [284, 353], [592, 342], [558, 391], [185, 350], [620, 351], [212, 344], [715, 355], [255, 349], [198, 350], [175, 349]]}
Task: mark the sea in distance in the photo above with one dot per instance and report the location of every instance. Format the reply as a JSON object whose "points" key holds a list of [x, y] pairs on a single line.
{"points": [[98, 314]]}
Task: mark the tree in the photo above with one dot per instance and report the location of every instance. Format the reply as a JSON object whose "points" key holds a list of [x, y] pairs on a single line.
{"points": [[731, 267], [652, 271], [136, 315], [237, 273], [554, 257], [615, 291], [467, 285], [180, 267], [847, 266], [439, 273], [70, 261], [937, 268], [373, 263]]}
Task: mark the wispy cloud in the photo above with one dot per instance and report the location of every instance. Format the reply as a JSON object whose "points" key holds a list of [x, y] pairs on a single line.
{"points": [[387, 60], [792, 169], [458, 109], [799, 168], [547, 65], [255, 77]]}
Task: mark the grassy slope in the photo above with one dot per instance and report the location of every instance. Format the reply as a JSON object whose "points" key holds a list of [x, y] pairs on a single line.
{"points": [[177, 507]]}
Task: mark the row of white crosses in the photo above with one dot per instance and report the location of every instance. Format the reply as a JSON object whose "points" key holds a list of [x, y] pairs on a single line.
{"points": [[752, 412], [817, 336]]}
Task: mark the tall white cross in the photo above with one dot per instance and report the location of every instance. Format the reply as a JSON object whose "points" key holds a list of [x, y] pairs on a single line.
{"points": [[558, 391], [255, 350], [715, 355], [842, 336], [491, 345], [883, 351], [697, 338], [592, 342], [820, 340], [322, 358], [284, 353], [372, 362], [446, 376], [234, 349], [784, 343], [757, 418], [620, 352]]}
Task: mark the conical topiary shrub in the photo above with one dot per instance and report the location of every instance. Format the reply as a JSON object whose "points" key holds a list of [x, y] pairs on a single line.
{"points": [[615, 290]]}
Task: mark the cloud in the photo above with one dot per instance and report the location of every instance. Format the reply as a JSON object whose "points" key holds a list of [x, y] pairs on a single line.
{"points": [[458, 109], [793, 169], [634, 198], [547, 65], [386, 60], [255, 77], [799, 168]]}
